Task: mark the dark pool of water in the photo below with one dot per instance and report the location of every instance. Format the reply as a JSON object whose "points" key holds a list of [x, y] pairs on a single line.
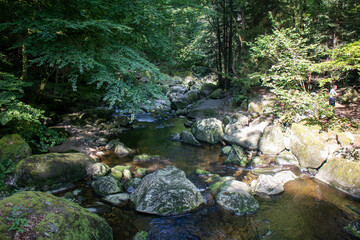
{"points": [[306, 210]]}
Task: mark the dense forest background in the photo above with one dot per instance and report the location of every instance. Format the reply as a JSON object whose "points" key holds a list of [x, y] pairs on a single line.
{"points": [[60, 55]]}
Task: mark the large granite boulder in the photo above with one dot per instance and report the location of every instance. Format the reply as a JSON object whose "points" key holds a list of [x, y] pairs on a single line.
{"points": [[272, 141], [272, 185], [261, 103], [50, 217], [187, 137], [286, 158], [308, 146], [208, 130], [106, 186], [341, 174], [13, 147], [247, 137], [237, 156], [52, 169], [235, 196], [166, 191]]}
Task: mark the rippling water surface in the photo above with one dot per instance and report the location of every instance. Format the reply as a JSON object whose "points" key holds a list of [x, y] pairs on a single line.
{"points": [[306, 210]]}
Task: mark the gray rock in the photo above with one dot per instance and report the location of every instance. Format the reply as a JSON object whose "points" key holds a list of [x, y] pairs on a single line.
{"points": [[166, 191], [272, 185], [120, 199], [187, 137], [208, 130], [127, 174], [237, 156], [272, 141], [236, 197], [247, 137], [226, 150], [261, 103], [122, 150], [97, 170], [286, 158], [106, 186]]}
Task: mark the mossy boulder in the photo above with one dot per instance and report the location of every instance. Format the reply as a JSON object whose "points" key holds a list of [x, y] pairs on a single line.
{"points": [[341, 174], [216, 94], [226, 150], [208, 130], [141, 235], [207, 88], [106, 186], [308, 146], [52, 169], [237, 156], [187, 137], [118, 171], [144, 157], [50, 217], [13, 147], [354, 228], [235, 196], [166, 191]]}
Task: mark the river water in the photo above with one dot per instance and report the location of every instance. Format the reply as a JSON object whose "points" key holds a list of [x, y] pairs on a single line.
{"points": [[308, 209]]}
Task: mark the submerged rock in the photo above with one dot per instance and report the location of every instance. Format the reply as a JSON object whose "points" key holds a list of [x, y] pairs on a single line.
{"points": [[106, 186], [122, 150], [120, 199], [144, 157], [208, 130], [341, 174], [166, 191], [13, 147], [52, 168], [235, 196], [50, 217]]}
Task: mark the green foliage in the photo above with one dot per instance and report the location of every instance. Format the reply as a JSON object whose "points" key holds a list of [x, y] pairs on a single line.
{"points": [[7, 168], [18, 221]]}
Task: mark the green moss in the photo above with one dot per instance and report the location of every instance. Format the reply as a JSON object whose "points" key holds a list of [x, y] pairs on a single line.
{"points": [[144, 157], [141, 235], [57, 217], [202, 172]]}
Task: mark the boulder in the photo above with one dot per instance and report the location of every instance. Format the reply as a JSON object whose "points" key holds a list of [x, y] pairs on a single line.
{"points": [[106, 186], [142, 235], [261, 103], [286, 158], [144, 157], [122, 150], [207, 88], [236, 197], [208, 130], [52, 169], [97, 170], [308, 146], [341, 174], [247, 137], [226, 150], [50, 217], [272, 141], [272, 185], [13, 147], [354, 228], [187, 137], [237, 156], [166, 191], [118, 171], [207, 109], [119, 199]]}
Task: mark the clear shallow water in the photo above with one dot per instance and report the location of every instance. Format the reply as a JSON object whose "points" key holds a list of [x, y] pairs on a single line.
{"points": [[306, 210]]}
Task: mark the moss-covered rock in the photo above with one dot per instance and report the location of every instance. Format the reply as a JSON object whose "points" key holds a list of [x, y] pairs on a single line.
{"points": [[13, 147], [354, 229], [52, 169], [208, 130], [308, 146], [140, 172], [236, 197], [50, 217], [106, 186], [237, 156], [207, 88], [226, 150], [216, 94], [166, 191], [341, 174], [144, 157]]}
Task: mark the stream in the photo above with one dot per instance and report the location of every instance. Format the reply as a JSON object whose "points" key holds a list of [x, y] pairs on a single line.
{"points": [[308, 209]]}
